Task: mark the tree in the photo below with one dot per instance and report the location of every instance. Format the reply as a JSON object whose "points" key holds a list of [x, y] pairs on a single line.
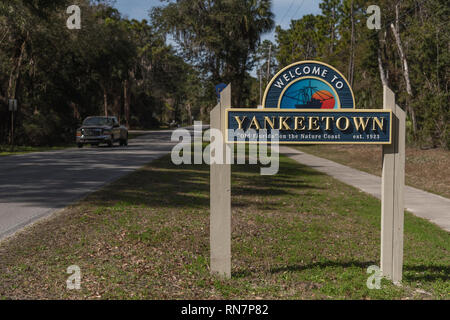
{"points": [[331, 12], [219, 37], [304, 40], [410, 54], [110, 66], [267, 66]]}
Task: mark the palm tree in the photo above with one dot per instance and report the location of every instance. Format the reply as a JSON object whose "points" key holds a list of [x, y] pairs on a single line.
{"points": [[254, 18]]}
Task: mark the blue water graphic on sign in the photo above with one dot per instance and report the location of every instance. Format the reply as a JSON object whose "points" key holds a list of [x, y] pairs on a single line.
{"points": [[309, 94]]}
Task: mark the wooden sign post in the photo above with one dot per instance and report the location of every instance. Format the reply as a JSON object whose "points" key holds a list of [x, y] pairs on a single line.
{"points": [[392, 193], [327, 116], [220, 200]]}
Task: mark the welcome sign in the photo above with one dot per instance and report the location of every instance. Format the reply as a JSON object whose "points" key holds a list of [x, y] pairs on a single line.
{"points": [[309, 102]]}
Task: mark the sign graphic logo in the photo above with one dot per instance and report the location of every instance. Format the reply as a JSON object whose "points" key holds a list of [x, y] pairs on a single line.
{"points": [[309, 85], [309, 94]]}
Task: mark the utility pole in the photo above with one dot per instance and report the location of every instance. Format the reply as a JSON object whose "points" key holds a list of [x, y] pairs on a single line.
{"points": [[268, 62]]}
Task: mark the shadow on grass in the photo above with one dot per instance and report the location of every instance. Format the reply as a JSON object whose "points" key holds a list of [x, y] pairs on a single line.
{"points": [[422, 272], [303, 267], [163, 184], [426, 273]]}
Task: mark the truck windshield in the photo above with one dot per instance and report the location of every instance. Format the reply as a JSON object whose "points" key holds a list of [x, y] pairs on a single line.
{"points": [[98, 121]]}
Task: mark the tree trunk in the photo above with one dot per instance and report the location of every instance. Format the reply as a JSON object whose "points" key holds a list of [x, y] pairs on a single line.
{"points": [[333, 23], [383, 75], [105, 101], [15, 72], [381, 68], [189, 112], [5, 33], [395, 30], [116, 107], [237, 93], [351, 65], [76, 112], [127, 100]]}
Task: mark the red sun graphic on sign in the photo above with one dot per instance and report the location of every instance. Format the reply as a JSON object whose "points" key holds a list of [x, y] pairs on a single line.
{"points": [[326, 98]]}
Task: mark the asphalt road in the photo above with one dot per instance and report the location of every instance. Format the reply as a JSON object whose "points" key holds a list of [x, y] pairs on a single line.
{"points": [[35, 185]]}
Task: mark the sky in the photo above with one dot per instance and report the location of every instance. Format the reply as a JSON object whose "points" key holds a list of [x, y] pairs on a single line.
{"points": [[284, 10]]}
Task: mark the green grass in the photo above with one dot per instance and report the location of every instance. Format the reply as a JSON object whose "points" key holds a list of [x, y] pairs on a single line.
{"points": [[427, 170], [5, 150], [296, 235]]}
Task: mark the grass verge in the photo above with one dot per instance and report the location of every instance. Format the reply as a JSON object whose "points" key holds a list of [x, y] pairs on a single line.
{"points": [[297, 235], [424, 169], [5, 150]]}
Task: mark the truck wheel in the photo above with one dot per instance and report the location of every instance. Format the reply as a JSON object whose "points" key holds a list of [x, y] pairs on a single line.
{"points": [[110, 143], [80, 145]]}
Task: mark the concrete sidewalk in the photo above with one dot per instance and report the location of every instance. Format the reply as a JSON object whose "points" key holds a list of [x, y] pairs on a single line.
{"points": [[421, 203]]}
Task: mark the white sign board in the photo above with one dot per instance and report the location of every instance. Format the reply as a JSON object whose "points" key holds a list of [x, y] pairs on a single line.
{"points": [[12, 104]]}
